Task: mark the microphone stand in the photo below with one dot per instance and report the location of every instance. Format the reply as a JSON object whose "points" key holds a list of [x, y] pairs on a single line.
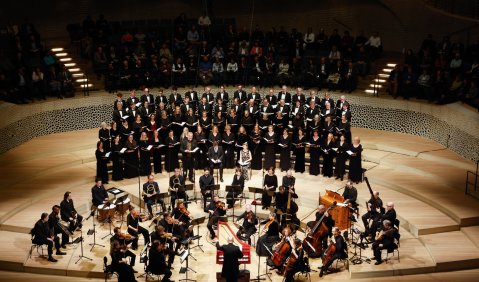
{"points": [[90, 232], [81, 248]]}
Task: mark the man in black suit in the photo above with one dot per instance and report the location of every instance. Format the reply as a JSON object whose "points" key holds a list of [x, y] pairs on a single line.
{"points": [[340, 253], [42, 236], [232, 254], [98, 194], [223, 95], [132, 99], [254, 95], [54, 224], [216, 157], [135, 229], [204, 107], [240, 94], [389, 215], [175, 97], [148, 97], [193, 95], [150, 193], [177, 187], [284, 95], [384, 240], [69, 213], [188, 151], [272, 100], [161, 98], [206, 180], [119, 113], [238, 107]]}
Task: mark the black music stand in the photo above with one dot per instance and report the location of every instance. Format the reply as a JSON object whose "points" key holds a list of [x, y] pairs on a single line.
{"points": [[184, 256], [197, 222], [233, 189], [210, 188], [255, 190]]}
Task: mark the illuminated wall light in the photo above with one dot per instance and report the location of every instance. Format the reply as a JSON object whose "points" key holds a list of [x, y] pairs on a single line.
{"points": [[58, 49], [369, 91], [80, 74], [70, 65], [387, 70], [391, 65], [383, 75], [377, 85], [74, 69], [65, 59], [380, 80], [61, 54], [81, 80], [87, 85]]}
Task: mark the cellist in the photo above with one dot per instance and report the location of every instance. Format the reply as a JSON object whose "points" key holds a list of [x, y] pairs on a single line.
{"points": [[336, 250], [269, 235], [328, 221], [282, 250], [297, 261]]}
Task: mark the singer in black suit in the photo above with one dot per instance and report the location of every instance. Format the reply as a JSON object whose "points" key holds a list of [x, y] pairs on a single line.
{"points": [[43, 236], [216, 153], [232, 254], [238, 180]]}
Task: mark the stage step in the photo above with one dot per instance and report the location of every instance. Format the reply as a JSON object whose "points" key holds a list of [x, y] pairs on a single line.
{"points": [[14, 251]]}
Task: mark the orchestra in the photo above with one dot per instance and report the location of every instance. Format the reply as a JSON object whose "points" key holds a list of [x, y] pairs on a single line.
{"points": [[274, 126]]}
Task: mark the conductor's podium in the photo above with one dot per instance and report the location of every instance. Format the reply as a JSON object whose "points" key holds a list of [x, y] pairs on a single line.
{"points": [[341, 212]]}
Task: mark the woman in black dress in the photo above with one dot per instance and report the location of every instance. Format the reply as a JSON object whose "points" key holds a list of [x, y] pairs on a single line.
{"points": [[101, 163], [164, 122], [268, 237], [341, 157], [270, 184], [233, 120], [219, 121], [256, 148], [314, 153], [285, 155], [171, 156], [117, 173], [114, 132], [145, 160], [248, 122], [157, 150], [344, 128], [138, 127], [229, 147], [205, 123], [201, 140], [355, 166], [241, 138], [125, 131], [314, 125], [191, 121], [328, 127], [328, 155], [215, 136], [269, 148], [104, 136], [131, 158], [299, 151], [177, 121]]}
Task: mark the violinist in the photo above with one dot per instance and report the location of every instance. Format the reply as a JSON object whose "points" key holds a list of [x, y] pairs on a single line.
{"points": [[119, 263], [297, 261], [374, 207], [206, 185], [167, 239], [269, 236], [134, 228], [282, 198], [247, 222], [182, 214], [125, 241], [216, 209], [238, 180], [384, 240], [336, 250], [157, 261], [328, 221], [172, 232]]}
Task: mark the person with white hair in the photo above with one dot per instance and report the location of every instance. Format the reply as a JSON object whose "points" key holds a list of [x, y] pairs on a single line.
{"points": [[247, 222], [231, 255]]}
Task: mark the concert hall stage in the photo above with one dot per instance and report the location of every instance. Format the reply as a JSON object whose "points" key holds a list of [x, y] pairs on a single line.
{"points": [[425, 180]]}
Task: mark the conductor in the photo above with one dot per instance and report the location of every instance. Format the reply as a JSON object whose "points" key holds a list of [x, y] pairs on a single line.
{"points": [[232, 253]]}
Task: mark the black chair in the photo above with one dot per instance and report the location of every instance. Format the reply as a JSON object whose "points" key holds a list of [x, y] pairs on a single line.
{"points": [[35, 246], [107, 269], [148, 272]]}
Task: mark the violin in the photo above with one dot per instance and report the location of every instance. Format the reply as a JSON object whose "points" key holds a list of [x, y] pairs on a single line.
{"points": [[126, 236], [184, 210]]}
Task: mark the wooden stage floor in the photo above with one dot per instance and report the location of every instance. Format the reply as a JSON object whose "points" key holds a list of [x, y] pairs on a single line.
{"points": [[439, 224]]}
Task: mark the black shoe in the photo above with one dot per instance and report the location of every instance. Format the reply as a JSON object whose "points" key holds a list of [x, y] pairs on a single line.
{"points": [[378, 262], [60, 253], [135, 271], [52, 259], [63, 246], [321, 273], [221, 179]]}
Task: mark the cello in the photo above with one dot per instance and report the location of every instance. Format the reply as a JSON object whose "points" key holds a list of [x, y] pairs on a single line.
{"points": [[283, 249], [313, 244], [328, 254]]}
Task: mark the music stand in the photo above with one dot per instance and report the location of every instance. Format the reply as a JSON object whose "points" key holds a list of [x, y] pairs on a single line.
{"points": [[255, 190], [197, 222], [184, 256], [234, 189]]}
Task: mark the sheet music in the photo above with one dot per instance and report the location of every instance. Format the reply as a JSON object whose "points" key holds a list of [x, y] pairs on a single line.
{"points": [[349, 152], [122, 150]]}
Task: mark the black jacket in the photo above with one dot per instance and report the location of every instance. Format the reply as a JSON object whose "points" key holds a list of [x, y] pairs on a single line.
{"points": [[232, 254]]}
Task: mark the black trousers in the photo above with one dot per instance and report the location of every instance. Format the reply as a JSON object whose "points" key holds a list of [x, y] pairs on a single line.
{"points": [[188, 166], [141, 230], [366, 216], [333, 258], [246, 233], [212, 221], [219, 166], [50, 244]]}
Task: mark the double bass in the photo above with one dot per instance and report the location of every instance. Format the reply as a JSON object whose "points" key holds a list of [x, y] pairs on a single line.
{"points": [[313, 244]]}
